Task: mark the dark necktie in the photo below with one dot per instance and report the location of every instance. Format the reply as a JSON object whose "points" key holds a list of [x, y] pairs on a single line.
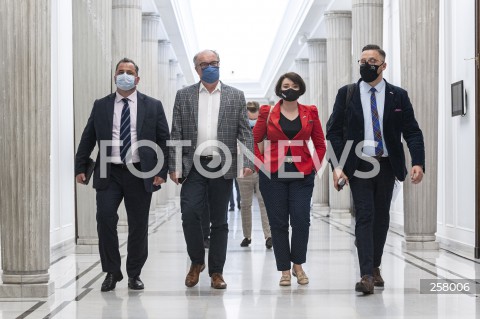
{"points": [[377, 133], [125, 134]]}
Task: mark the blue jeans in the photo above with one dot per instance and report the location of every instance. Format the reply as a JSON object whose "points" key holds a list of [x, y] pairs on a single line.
{"points": [[286, 200]]}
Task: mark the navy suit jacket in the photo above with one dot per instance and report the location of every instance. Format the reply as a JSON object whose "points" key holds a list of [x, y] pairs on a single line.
{"points": [[398, 120], [152, 126]]}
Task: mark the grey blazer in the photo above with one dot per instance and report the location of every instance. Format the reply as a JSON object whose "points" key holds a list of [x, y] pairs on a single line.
{"points": [[232, 126]]}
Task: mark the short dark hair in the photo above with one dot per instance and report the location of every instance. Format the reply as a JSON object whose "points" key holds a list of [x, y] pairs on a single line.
{"points": [[295, 78], [376, 48], [127, 60], [253, 106]]}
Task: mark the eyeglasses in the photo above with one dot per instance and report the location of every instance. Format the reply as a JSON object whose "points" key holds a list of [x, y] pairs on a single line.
{"points": [[204, 65], [371, 61]]}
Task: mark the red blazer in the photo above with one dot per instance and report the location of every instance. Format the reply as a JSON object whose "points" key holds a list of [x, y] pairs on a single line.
{"points": [[273, 156]]}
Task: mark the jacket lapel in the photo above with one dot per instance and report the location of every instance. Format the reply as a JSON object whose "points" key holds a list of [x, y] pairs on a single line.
{"points": [[194, 99], [389, 101], [223, 103], [140, 112], [356, 105], [110, 110]]}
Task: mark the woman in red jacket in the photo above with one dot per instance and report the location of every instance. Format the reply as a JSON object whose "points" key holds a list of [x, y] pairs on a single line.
{"points": [[287, 172]]}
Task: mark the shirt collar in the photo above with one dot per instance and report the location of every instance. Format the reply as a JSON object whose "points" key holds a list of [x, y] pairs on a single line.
{"points": [[365, 87], [131, 98], [217, 88]]}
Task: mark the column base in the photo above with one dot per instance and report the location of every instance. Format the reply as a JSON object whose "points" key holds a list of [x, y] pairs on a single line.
{"points": [[27, 290], [419, 245]]}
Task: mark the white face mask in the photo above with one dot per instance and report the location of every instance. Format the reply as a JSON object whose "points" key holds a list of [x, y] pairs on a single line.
{"points": [[125, 81]]}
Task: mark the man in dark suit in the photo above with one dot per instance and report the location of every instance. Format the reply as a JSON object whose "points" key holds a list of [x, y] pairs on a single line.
{"points": [[208, 114], [378, 114], [131, 125]]}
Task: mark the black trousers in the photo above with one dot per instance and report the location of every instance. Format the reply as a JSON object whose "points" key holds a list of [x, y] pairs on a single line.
{"points": [[372, 197], [196, 189], [125, 186], [288, 203]]}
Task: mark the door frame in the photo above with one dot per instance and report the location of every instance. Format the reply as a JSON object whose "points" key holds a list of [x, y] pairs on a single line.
{"points": [[477, 129]]}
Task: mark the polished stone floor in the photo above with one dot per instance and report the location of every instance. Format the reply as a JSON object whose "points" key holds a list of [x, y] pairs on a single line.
{"points": [[253, 290]]}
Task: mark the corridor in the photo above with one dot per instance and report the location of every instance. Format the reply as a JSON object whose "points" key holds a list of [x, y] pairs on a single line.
{"points": [[253, 290]]}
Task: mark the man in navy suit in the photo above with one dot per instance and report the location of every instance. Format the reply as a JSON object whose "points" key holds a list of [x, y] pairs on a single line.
{"points": [[128, 169], [377, 114]]}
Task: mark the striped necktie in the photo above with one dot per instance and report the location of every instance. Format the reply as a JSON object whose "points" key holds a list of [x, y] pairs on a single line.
{"points": [[125, 134], [377, 133]]}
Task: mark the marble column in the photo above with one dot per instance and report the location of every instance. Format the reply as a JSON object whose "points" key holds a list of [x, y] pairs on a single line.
{"points": [[149, 72], [25, 143], [172, 91], [126, 30], [367, 28], [317, 56], [149, 67], [339, 57], [92, 74], [126, 43], [419, 55], [301, 67], [164, 49]]}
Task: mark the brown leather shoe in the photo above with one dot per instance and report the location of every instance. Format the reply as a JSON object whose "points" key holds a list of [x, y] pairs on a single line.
{"points": [[217, 281], [377, 278], [365, 285], [194, 275]]}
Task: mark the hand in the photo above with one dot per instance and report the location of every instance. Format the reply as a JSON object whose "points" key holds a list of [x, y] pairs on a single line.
{"points": [[247, 172], [174, 177], [80, 178], [337, 174], [416, 174], [157, 181]]}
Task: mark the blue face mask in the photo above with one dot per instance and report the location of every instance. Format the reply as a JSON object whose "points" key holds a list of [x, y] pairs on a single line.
{"points": [[210, 74], [125, 81], [252, 122]]}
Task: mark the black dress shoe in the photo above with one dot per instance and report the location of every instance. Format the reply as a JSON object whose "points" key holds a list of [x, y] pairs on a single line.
{"points": [[111, 281], [135, 283], [268, 243], [245, 242]]}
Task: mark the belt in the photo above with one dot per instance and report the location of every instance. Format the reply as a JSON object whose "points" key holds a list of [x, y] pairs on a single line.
{"points": [[124, 166], [206, 157]]}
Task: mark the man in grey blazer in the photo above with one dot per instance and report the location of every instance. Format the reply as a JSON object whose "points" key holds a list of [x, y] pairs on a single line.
{"points": [[208, 117]]}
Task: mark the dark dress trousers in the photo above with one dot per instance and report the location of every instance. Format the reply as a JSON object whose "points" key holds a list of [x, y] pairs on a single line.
{"points": [[372, 196], [232, 126], [120, 184]]}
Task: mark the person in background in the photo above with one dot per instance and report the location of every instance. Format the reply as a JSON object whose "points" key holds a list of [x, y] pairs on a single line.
{"points": [[248, 186], [379, 114], [287, 196], [232, 198]]}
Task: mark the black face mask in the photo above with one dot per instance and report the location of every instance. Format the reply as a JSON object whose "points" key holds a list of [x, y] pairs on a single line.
{"points": [[290, 94], [369, 72]]}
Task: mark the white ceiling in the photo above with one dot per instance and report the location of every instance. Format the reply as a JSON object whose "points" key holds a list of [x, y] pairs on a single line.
{"points": [[257, 39]]}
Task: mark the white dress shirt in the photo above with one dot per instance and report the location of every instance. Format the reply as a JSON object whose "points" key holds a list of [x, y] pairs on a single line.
{"points": [[208, 111], [369, 145], [117, 115]]}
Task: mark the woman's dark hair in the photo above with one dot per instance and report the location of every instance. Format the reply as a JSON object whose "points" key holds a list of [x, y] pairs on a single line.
{"points": [[295, 78]]}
